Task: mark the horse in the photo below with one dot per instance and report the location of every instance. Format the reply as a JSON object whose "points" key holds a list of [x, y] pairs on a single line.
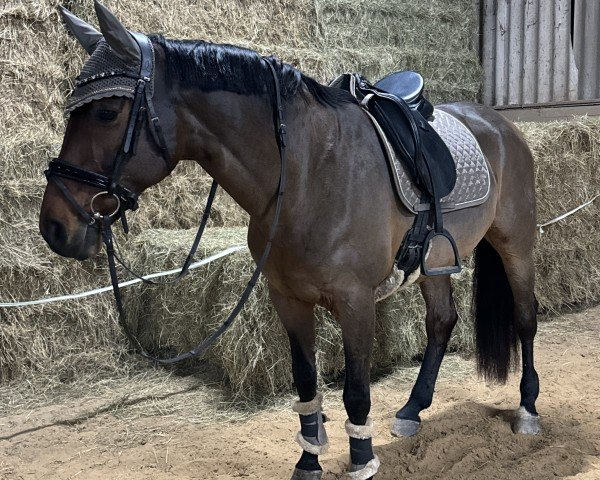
{"points": [[340, 224]]}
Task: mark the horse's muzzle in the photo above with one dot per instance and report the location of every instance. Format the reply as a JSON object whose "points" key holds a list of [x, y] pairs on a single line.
{"points": [[80, 244]]}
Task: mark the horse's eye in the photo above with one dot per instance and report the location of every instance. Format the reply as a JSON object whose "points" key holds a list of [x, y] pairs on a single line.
{"points": [[107, 115]]}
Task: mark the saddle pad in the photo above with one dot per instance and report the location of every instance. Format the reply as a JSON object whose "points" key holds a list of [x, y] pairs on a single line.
{"points": [[472, 172]]}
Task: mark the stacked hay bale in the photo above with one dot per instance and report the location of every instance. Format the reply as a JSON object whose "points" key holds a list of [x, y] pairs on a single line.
{"points": [[254, 354], [567, 162], [79, 340]]}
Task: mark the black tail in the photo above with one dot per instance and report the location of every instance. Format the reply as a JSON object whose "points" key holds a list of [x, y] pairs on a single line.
{"points": [[493, 304]]}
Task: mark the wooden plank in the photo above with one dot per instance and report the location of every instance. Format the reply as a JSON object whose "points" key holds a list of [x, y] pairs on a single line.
{"points": [[562, 20], [573, 72], [488, 52], [547, 114], [589, 74], [502, 51], [515, 67], [530, 51], [546, 53], [578, 26]]}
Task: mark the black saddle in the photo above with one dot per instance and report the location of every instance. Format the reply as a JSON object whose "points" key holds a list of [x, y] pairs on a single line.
{"points": [[408, 86], [397, 103]]}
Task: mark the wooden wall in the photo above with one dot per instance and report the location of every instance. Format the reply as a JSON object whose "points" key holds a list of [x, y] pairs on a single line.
{"points": [[530, 57]]}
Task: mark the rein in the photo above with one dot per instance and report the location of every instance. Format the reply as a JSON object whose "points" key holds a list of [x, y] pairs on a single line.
{"points": [[127, 200]]}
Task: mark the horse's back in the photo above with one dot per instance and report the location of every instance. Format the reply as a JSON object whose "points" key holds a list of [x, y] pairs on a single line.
{"points": [[500, 140], [512, 191]]}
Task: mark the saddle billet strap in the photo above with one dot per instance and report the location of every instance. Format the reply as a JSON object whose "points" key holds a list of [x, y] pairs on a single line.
{"points": [[201, 348]]}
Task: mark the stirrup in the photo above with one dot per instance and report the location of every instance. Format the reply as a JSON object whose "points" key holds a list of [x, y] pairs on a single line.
{"points": [[456, 268]]}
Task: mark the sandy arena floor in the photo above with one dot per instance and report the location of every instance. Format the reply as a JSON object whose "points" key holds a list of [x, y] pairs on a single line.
{"points": [[466, 433]]}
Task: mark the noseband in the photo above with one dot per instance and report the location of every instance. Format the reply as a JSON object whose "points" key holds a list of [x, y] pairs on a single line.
{"points": [[142, 108], [109, 186]]}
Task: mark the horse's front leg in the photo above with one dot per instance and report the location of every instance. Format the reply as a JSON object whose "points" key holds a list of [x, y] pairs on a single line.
{"points": [[299, 321], [355, 310]]}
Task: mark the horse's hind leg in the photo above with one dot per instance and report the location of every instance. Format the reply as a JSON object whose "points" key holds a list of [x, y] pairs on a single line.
{"points": [[520, 275], [518, 262], [440, 320], [298, 319]]}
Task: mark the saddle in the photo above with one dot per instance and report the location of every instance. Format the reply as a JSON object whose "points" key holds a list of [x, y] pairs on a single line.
{"points": [[397, 105]]}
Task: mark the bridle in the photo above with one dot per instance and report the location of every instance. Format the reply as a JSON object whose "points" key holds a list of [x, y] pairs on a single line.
{"points": [[143, 108]]}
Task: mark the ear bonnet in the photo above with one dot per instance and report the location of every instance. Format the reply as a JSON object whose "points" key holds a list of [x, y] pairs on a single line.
{"points": [[114, 66]]}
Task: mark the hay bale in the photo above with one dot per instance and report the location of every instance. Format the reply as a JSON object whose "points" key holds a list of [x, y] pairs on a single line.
{"points": [[567, 163], [254, 354], [38, 62], [323, 38], [376, 37]]}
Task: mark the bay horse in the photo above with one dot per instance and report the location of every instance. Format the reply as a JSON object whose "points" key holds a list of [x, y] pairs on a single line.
{"points": [[341, 222]]}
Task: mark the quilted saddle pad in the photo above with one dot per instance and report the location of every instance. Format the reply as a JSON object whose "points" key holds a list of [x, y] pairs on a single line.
{"points": [[473, 175]]}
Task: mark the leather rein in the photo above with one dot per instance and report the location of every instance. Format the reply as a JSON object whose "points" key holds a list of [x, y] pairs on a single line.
{"points": [[143, 108]]}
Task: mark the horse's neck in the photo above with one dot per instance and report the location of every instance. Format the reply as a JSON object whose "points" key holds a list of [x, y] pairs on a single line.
{"points": [[233, 138]]}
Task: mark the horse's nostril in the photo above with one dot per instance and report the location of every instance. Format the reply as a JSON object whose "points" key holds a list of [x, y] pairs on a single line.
{"points": [[57, 233]]}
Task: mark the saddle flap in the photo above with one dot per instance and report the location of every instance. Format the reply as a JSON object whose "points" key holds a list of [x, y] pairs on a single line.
{"points": [[437, 159], [424, 154]]}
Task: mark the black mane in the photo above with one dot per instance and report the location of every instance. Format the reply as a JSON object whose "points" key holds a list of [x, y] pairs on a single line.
{"points": [[212, 67]]}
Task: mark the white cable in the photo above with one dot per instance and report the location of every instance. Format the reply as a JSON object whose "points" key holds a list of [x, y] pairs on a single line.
{"points": [[565, 215], [96, 291], [208, 260]]}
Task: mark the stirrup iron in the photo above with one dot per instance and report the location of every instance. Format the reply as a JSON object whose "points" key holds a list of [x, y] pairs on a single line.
{"points": [[456, 268]]}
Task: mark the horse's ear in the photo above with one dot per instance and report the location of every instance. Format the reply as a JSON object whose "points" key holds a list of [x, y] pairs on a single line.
{"points": [[85, 34], [117, 36]]}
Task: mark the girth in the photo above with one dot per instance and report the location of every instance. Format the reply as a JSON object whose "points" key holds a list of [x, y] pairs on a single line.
{"points": [[427, 161]]}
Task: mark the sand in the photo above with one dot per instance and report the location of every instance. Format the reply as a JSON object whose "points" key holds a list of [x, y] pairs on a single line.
{"points": [[466, 433]]}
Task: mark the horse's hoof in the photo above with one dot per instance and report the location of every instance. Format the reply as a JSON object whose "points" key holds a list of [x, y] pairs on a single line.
{"points": [[405, 428], [364, 472], [307, 474], [526, 423]]}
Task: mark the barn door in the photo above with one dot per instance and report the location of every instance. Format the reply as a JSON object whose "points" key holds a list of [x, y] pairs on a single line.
{"points": [[540, 52]]}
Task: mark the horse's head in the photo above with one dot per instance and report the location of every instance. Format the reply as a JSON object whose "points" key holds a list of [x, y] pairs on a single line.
{"points": [[113, 147]]}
